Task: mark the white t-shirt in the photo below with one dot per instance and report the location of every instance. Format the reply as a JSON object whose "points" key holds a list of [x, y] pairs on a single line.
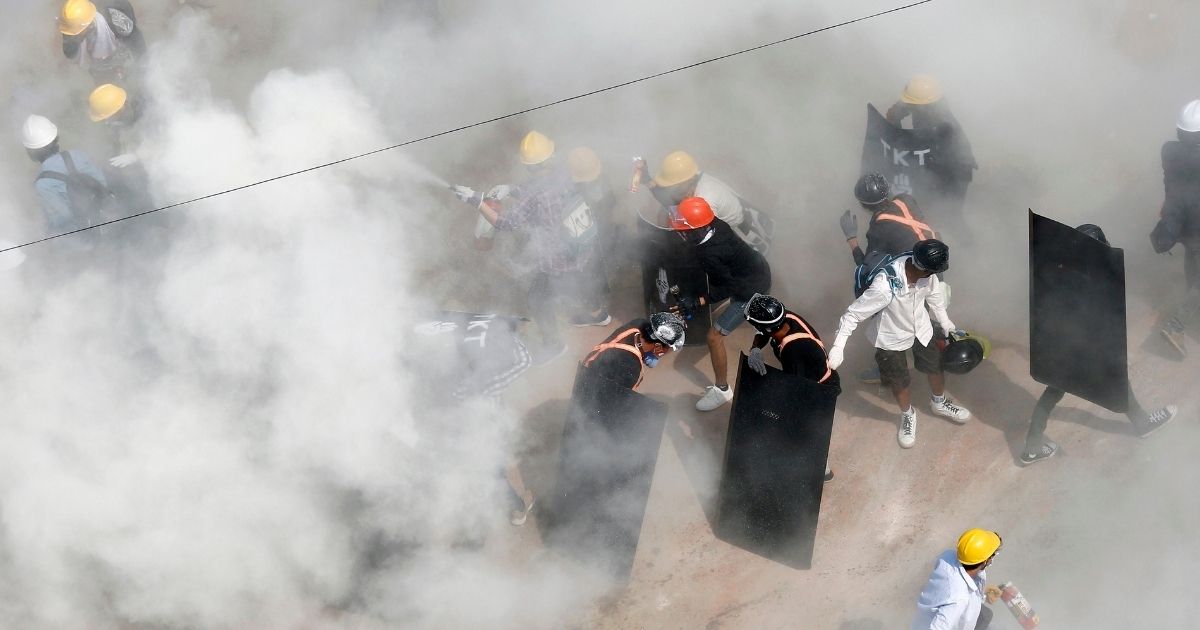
{"points": [[724, 202]]}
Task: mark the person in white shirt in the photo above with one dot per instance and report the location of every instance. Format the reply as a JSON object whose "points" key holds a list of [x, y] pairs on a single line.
{"points": [[898, 303], [953, 597]]}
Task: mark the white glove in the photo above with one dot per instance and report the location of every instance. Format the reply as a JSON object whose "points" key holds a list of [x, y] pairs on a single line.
{"points": [[124, 160], [464, 193], [756, 361], [499, 192], [836, 356]]}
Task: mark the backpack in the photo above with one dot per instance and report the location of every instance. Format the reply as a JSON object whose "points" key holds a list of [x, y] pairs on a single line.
{"points": [[87, 196], [874, 264]]}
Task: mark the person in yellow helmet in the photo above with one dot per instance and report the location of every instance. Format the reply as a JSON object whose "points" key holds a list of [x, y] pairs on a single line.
{"points": [[562, 240], [102, 37], [953, 597], [587, 170], [923, 107], [119, 111]]}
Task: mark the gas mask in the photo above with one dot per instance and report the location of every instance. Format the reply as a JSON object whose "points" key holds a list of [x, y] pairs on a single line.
{"points": [[650, 359]]}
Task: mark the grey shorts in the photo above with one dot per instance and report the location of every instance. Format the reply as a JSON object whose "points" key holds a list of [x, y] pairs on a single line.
{"points": [[731, 317], [893, 364]]}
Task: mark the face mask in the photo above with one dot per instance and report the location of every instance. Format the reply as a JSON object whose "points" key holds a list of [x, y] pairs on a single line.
{"points": [[650, 359]]}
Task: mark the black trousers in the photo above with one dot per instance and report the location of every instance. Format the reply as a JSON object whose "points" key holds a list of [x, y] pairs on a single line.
{"points": [[1186, 312], [985, 618], [1036, 438]]}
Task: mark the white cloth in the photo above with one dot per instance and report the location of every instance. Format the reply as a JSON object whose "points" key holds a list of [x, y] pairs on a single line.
{"points": [[724, 202], [903, 316], [101, 42], [951, 600]]}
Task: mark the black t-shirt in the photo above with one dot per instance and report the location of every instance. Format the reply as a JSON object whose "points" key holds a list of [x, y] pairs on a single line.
{"points": [[803, 357], [891, 237], [489, 354], [618, 365], [734, 268]]}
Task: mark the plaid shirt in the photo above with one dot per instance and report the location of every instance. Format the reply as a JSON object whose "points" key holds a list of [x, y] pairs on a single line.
{"points": [[539, 206]]}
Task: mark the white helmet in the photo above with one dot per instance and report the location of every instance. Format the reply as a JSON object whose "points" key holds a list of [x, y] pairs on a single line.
{"points": [[1189, 118], [38, 132]]}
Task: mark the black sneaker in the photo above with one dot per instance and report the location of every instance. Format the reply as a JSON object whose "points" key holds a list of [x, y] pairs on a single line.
{"points": [[587, 319], [1157, 420], [828, 476], [1048, 450]]}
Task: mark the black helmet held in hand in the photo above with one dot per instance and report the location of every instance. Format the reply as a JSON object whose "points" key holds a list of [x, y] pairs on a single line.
{"points": [[872, 189], [931, 255]]}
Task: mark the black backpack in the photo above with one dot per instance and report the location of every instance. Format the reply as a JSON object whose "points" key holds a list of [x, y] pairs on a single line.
{"points": [[874, 264], [89, 199]]}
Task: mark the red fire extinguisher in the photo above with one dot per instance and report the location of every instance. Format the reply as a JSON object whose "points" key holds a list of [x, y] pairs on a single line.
{"points": [[1017, 604]]}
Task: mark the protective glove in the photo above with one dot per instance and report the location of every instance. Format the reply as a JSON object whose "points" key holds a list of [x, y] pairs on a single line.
{"points": [[849, 222], [499, 192], [836, 356], [124, 160], [468, 195], [756, 361], [689, 304]]}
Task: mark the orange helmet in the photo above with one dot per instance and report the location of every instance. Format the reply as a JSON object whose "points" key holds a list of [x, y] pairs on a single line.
{"points": [[692, 213]]}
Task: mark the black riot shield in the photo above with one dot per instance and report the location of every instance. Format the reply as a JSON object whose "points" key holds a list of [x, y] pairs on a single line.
{"points": [[774, 468], [904, 156], [606, 463], [1077, 333], [670, 270]]}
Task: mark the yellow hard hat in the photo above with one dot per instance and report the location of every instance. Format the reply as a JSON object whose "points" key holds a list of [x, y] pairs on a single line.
{"points": [[975, 546], [678, 167], [106, 101], [585, 165], [536, 148], [922, 90], [76, 16]]}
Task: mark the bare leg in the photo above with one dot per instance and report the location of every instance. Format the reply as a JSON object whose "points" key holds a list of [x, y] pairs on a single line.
{"points": [[937, 384], [512, 472], [720, 363], [903, 397]]}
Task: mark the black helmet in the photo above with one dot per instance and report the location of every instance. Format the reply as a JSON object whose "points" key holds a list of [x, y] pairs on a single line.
{"points": [[667, 329], [872, 189], [962, 355], [931, 255], [764, 312], [1093, 231]]}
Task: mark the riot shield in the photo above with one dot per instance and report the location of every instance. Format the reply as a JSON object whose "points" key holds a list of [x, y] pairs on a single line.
{"points": [[670, 270], [904, 156], [774, 467], [1077, 331], [606, 463]]}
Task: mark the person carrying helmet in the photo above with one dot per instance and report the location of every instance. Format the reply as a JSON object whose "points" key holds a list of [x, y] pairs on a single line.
{"points": [[896, 223], [1180, 219], [73, 192], [735, 273], [1038, 447], [794, 341], [922, 103], [562, 240], [904, 297], [953, 597], [103, 38], [623, 356], [679, 177]]}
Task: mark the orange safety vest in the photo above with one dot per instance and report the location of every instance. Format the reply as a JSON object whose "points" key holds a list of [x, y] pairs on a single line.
{"points": [[615, 344], [807, 334], [920, 229]]}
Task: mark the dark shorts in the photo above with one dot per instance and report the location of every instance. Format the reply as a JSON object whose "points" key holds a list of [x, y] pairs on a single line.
{"points": [[893, 364]]}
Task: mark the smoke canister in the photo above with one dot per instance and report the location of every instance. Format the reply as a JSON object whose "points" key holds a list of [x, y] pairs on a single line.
{"points": [[1019, 606]]}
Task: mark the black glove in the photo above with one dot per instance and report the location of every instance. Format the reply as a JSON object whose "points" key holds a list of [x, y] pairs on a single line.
{"points": [[689, 304], [849, 222]]}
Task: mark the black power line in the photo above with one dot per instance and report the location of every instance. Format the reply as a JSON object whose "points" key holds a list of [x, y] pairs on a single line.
{"points": [[479, 123]]}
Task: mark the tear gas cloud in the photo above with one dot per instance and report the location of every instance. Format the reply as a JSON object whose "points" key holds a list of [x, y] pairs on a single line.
{"points": [[237, 435]]}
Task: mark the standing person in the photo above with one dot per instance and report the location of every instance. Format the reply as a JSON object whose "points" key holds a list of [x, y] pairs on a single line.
{"points": [[120, 114], [903, 295], [587, 171], [953, 168], [679, 177], [794, 341], [625, 354], [105, 41], [562, 239], [735, 273], [1038, 447], [1180, 222], [73, 192], [896, 223], [953, 597]]}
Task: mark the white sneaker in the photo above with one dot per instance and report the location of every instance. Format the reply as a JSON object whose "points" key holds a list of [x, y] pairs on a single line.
{"points": [[713, 397], [907, 435], [950, 409]]}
